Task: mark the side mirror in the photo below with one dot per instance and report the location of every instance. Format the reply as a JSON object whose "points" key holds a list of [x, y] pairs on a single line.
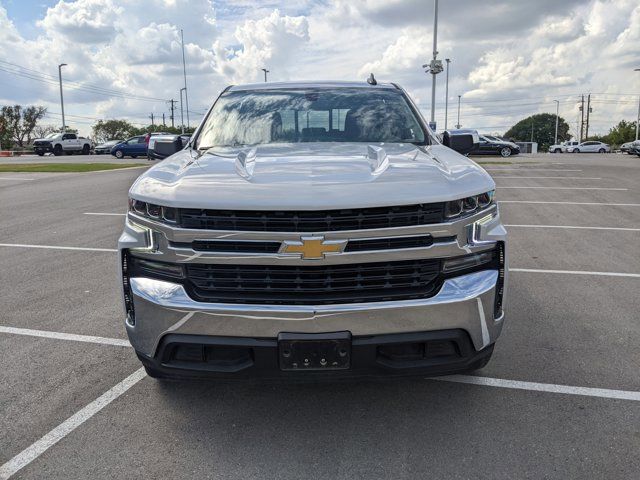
{"points": [[165, 146], [462, 141]]}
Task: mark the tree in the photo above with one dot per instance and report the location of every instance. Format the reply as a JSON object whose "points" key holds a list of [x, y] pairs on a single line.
{"points": [[162, 128], [42, 131], [105, 130], [20, 122], [544, 128], [623, 132]]}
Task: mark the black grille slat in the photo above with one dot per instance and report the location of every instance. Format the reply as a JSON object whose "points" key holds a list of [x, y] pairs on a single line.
{"points": [[312, 221], [299, 285]]}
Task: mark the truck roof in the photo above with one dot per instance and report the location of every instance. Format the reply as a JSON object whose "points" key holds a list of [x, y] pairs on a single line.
{"points": [[309, 84]]}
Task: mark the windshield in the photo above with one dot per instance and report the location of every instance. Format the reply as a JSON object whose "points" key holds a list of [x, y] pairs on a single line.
{"points": [[313, 115], [52, 135]]}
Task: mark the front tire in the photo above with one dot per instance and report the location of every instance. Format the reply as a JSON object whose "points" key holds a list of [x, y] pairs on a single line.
{"points": [[119, 154], [575, 150], [505, 152], [86, 149], [57, 150], [41, 154], [557, 150], [602, 150]]}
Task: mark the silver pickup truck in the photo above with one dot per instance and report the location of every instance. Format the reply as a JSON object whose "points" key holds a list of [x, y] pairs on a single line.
{"points": [[314, 230]]}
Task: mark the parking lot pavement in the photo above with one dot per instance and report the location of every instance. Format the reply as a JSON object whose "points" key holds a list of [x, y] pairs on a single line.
{"points": [[571, 322]]}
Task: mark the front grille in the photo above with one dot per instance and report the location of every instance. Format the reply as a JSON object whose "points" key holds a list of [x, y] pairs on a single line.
{"points": [[312, 221], [307, 285]]}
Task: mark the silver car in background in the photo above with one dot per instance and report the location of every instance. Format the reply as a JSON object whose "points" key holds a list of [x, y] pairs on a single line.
{"points": [[590, 147]]}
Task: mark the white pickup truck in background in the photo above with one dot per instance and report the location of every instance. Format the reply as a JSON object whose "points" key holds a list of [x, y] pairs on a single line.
{"points": [[59, 143]]}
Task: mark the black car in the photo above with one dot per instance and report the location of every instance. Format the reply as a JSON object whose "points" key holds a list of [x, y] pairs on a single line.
{"points": [[105, 148], [490, 145]]}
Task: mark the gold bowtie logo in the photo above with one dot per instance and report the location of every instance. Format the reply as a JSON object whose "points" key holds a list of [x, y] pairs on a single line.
{"points": [[313, 248]]}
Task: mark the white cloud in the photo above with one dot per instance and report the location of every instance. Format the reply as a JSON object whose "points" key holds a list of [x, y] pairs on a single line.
{"points": [[271, 42]]}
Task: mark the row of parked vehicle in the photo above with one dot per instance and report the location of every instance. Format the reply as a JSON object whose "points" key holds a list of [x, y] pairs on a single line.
{"points": [[632, 148], [137, 146], [590, 146]]}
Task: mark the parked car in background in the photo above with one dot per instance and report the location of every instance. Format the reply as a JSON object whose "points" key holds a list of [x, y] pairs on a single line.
{"points": [[627, 148], [634, 149], [590, 146], [562, 147], [489, 145], [133, 147], [59, 143], [105, 148]]}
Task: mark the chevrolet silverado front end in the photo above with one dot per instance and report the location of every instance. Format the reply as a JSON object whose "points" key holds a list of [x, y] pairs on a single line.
{"points": [[313, 230]]}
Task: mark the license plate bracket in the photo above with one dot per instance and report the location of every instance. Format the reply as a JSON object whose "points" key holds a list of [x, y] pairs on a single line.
{"points": [[314, 351]]}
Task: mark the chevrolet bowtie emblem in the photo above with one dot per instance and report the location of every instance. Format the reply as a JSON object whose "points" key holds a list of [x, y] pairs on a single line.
{"points": [[313, 248]]}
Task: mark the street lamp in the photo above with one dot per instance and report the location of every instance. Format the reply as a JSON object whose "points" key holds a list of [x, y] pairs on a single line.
{"points": [[555, 142], [446, 95], [265, 74], [638, 118], [435, 66], [458, 125], [64, 125], [183, 89]]}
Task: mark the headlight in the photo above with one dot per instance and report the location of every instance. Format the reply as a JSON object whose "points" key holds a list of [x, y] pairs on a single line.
{"points": [[469, 205], [153, 211]]}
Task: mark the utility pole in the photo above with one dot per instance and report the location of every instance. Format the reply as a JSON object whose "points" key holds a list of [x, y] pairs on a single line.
{"points": [[531, 129], [151, 117], [589, 110], [173, 103], [64, 125], [555, 138], [458, 125], [638, 118], [265, 74], [184, 70], [181, 109], [163, 122], [581, 118], [434, 70], [446, 95]]}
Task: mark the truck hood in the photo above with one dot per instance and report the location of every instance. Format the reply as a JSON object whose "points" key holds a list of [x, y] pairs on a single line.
{"points": [[311, 176]]}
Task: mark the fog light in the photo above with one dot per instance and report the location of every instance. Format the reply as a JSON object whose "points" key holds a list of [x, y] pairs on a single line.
{"points": [[468, 261]]}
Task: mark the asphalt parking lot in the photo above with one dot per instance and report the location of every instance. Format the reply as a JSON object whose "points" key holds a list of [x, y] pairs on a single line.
{"points": [[560, 398]]}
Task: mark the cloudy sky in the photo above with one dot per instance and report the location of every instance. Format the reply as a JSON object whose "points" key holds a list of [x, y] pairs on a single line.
{"points": [[509, 58]]}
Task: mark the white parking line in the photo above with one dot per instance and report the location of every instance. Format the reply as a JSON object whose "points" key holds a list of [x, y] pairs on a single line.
{"points": [[542, 387], [37, 448], [17, 178], [622, 229], [564, 188], [65, 336], [555, 178], [104, 213], [576, 272], [571, 203], [55, 247]]}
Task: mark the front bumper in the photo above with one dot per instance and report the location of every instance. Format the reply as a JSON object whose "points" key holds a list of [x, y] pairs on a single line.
{"points": [[43, 148], [165, 313]]}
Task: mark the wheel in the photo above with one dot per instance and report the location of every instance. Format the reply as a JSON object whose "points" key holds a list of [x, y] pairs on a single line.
{"points": [[505, 152], [119, 154], [57, 150], [557, 150], [86, 149], [602, 150], [40, 154], [575, 150]]}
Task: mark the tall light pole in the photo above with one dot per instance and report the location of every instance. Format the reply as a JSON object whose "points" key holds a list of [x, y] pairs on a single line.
{"points": [[265, 74], [638, 118], [181, 109], [446, 95], [555, 141], [435, 69], [458, 125], [64, 125], [184, 71]]}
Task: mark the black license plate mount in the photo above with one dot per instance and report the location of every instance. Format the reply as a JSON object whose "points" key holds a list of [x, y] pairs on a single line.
{"points": [[314, 351]]}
